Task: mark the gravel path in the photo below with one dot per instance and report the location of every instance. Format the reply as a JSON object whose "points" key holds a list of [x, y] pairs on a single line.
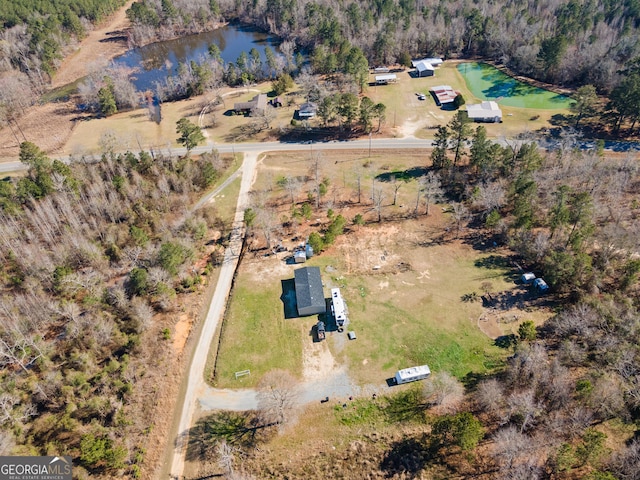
{"points": [[196, 386]]}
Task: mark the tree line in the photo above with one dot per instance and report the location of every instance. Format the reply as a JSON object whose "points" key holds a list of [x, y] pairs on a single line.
{"points": [[570, 42]]}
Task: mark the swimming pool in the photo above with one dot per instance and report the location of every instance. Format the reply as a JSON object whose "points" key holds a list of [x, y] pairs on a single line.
{"points": [[489, 83]]}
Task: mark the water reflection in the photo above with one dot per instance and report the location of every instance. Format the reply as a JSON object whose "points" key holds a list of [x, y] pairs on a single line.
{"points": [[153, 63]]}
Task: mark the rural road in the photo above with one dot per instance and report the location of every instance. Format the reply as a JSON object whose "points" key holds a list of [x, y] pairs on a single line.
{"points": [[405, 143], [196, 385], [255, 148]]}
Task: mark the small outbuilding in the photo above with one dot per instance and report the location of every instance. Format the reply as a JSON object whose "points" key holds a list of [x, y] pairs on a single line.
{"points": [[485, 112], [412, 374], [381, 70], [386, 79], [300, 257], [425, 69], [309, 291], [307, 110], [351, 335], [527, 278]]}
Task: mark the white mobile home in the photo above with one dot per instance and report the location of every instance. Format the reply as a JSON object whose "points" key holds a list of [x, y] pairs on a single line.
{"points": [[412, 374]]}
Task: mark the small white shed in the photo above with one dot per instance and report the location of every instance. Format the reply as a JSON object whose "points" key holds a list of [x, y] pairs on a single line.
{"points": [[412, 374]]}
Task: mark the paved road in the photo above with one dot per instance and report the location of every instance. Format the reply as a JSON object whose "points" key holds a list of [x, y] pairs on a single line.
{"points": [[376, 144]]}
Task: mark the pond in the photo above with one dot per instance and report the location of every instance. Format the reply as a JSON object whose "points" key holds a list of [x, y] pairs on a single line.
{"points": [[153, 63], [489, 83]]}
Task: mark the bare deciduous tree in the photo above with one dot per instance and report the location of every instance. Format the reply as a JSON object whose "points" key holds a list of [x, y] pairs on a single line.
{"points": [[431, 189], [278, 397], [460, 215], [490, 396], [509, 445], [377, 197], [444, 391]]}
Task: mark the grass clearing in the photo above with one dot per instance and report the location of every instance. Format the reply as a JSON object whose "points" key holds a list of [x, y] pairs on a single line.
{"points": [[405, 115], [418, 316], [256, 336], [404, 280]]}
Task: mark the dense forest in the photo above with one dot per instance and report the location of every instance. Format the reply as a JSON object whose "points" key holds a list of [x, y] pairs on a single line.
{"points": [[564, 42], [94, 256], [34, 33]]}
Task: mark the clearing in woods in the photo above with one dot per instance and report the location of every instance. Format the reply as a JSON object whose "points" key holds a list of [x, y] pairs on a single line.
{"points": [[413, 289]]}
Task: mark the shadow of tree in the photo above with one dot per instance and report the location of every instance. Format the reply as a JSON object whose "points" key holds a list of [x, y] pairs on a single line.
{"points": [[407, 457], [405, 406], [242, 429], [493, 261], [506, 341], [403, 175]]}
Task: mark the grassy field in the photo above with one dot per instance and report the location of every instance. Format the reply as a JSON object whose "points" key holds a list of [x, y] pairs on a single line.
{"points": [[255, 334], [405, 115], [404, 280], [422, 116]]}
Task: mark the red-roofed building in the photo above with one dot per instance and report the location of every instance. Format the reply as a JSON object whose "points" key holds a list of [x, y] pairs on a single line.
{"points": [[443, 94]]}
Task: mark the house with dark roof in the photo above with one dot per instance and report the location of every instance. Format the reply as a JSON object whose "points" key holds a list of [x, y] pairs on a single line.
{"points": [[309, 291], [257, 104]]}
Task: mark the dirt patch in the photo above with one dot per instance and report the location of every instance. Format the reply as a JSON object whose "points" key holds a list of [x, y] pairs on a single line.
{"points": [[317, 361], [182, 330], [374, 251], [98, 47], [49, 126]]}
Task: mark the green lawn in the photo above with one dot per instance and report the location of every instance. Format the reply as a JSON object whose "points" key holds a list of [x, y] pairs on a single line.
{"points": [[256, 336], [402, 320]]}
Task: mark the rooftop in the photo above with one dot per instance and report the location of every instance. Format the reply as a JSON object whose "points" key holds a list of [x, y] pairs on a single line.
{"points": [[444, 93]]}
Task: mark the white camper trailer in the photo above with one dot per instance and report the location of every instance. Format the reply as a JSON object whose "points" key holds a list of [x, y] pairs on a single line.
{"points": [[412, 374]]}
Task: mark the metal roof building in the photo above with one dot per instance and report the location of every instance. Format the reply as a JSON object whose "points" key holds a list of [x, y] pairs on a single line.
{"points": [[309, 292], [384, 79], [485, 112], [257, 103], [444, 94], [425, 69], [307, 110], [434, 61]]}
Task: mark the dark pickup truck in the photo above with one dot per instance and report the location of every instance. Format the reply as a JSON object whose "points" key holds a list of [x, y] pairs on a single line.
{"points": [[320, 330]]}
